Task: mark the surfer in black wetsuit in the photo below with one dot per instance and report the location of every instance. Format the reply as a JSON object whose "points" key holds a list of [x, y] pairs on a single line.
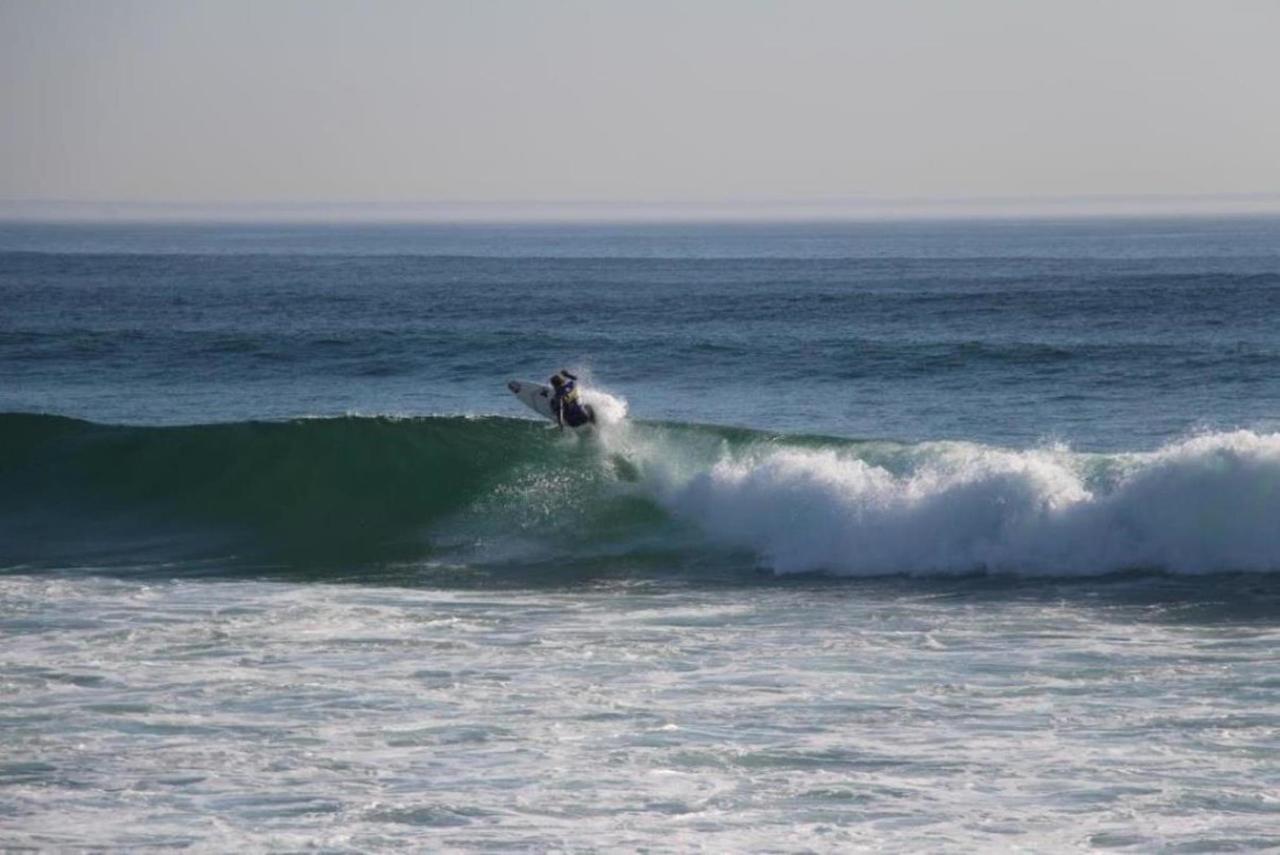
{"points": [[565, 402]]}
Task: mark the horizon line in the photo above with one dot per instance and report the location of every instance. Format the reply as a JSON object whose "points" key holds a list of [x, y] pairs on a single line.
{"points": [[762, 209]]}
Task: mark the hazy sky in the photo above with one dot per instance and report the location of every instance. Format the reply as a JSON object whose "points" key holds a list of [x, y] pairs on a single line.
{"points": [[648, 101]]}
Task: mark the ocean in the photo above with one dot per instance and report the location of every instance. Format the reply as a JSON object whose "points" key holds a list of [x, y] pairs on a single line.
{"points": [[926, 535]]}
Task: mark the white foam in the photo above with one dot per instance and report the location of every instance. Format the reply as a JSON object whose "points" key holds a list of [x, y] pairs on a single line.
{"points": [[609, 409], [1207, 504]]}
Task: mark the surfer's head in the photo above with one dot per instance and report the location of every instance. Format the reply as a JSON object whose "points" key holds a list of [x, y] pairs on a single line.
{"points": [[557, 381]]}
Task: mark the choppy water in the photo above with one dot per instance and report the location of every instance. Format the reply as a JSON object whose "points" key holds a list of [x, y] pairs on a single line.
{"points": [[896, 537], [623, 715]]}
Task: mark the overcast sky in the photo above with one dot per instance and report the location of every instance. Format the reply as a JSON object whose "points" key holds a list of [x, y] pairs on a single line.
{"points": [[478, 101]]}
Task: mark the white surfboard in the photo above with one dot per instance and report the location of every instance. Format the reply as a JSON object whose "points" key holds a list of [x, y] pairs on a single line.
{"points": [[537, 397]]}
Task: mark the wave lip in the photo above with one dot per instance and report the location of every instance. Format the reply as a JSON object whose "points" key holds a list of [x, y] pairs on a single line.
{"points": [[1207, 504]]}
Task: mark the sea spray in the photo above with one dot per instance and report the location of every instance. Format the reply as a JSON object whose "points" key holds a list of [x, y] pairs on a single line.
{"points": [[610, 410]]}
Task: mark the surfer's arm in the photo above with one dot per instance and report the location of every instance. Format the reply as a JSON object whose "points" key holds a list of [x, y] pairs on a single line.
{"points": [[565, 372]]}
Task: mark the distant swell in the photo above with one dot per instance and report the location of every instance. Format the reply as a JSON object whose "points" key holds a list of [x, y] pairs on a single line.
{"points": [[358, 491]]}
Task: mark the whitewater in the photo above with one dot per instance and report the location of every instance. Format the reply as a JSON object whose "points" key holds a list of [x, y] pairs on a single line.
{"points": [[1207, 504], [893, 537]]}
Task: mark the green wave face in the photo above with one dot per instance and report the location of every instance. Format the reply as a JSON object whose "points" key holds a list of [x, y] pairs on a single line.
{"points": [[340, 489]]}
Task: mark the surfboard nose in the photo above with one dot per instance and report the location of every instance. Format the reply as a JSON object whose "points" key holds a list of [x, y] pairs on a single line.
{"points": [[514, 386]]}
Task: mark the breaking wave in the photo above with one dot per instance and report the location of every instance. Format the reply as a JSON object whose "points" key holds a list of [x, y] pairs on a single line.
{"points": [[1206, 504], [466, 491]]}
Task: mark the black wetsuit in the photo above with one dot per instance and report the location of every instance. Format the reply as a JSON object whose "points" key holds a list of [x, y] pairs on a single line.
{"points": [[567, 405]]}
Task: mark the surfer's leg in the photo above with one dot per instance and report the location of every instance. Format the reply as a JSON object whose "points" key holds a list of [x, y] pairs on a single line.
{"points": [[578, 416]]}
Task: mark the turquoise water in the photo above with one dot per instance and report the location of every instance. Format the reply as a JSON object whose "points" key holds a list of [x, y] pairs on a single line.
{"points": [[893, 536]]}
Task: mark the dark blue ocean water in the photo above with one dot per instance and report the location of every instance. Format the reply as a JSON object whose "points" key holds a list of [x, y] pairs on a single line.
{"points": [[929, 536], [1108, 335]]}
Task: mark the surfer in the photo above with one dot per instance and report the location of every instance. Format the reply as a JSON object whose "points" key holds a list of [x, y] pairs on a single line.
{"points": [[565, 403]]}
